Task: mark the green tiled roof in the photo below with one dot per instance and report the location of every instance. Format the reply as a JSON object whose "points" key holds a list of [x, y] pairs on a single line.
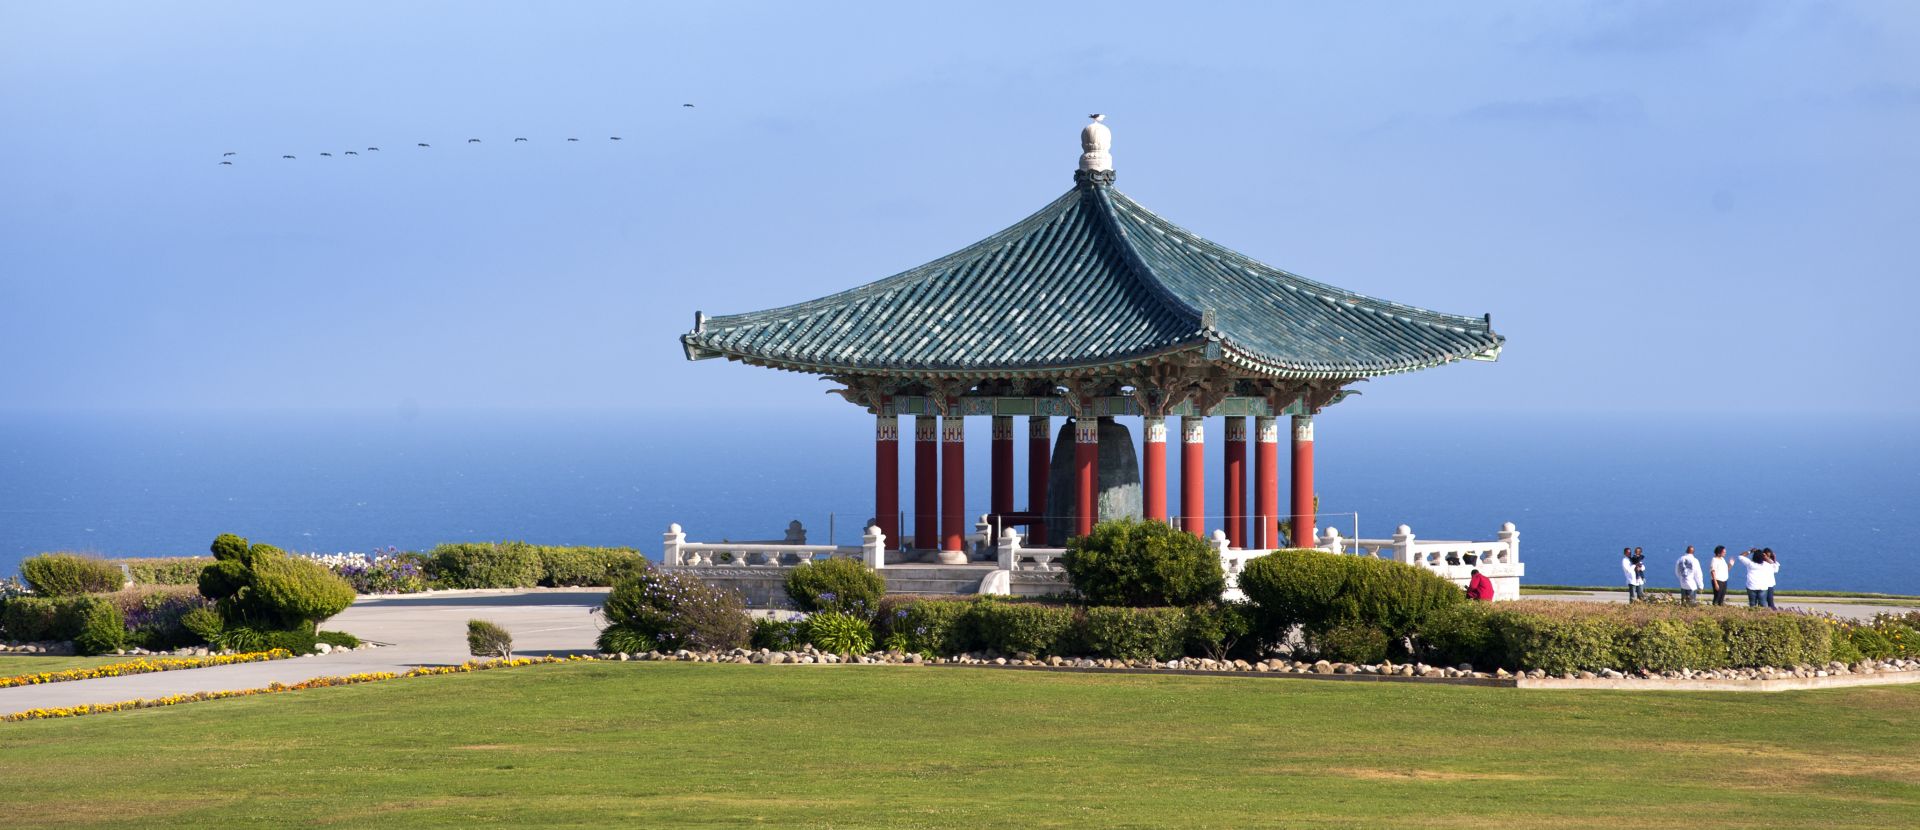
{"points": [[1094, 280]]}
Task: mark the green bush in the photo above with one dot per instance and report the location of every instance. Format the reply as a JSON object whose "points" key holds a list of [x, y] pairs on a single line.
{"points": [[153, 614], [1463, 634], [1143, 564], [100, 627], [1320, 591], [840, 632], [487, 565], [485, 639], [70, 575], [1350, 643], [260, 587], [676, 610], [1575, 636], [568, 567], [1136, 633], [171, 570], [1010, 628], [31, 619], [337, 639], [204, 623], [620, 639], [298, 641], [934, 627], [778, 635], [836, 585], [1223, 630]]}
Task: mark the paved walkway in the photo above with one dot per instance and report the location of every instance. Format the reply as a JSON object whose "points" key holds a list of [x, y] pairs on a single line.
{"points": [[1834, 605], [424, 630]]}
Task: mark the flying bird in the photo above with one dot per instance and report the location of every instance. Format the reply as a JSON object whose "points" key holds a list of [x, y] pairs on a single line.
{"points": [[519, 139], [613, 137], [352, 153], [228, 163], [375, 149], [328, 155], [229, 153], [286, 157], [686, 105], [473, 141], [423, 144], [573, 139]]}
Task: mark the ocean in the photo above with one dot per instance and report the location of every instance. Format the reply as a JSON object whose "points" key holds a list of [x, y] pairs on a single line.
{"points": [[1835, 496]]}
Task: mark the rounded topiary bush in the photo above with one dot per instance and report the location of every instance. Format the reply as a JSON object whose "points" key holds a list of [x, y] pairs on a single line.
{"points": [[836, 585], [1321, 591], [1143, 564], [101, 628], [260, 587], [672, 610], [70, 575]]}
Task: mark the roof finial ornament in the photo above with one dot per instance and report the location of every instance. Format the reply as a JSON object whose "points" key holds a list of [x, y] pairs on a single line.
{"points": [[1096, 164]]}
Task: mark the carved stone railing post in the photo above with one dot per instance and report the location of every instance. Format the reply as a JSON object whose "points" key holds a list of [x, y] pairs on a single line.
{"points": [[873, 548], [1331, 542], [1511, 538], [1009, 548], [675, 537], [1403, 544]]}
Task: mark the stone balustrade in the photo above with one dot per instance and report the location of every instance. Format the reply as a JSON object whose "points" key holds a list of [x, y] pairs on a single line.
{"points": [[680, 553], [1499, 560]]}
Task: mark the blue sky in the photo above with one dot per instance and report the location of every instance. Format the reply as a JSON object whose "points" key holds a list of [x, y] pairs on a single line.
{"points": [[1697, 206]]}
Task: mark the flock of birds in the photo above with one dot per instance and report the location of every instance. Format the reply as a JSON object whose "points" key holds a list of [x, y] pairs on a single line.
{"points": [[226, 158]]}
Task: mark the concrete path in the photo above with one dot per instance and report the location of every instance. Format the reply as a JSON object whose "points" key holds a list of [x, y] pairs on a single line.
{"points": [[423, 630], [1837, 606]]}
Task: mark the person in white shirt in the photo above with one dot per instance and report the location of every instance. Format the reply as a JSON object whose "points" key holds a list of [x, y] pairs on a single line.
{"points": [[1636, 581], [1719, 568], [1760, 576], [1688, 569]]}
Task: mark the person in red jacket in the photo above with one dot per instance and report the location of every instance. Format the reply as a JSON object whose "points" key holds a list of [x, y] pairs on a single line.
{"points": [[1480, 587]]}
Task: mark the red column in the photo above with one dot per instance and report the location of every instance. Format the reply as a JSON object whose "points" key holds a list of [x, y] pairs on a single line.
{"points": [[1086, 473], [1193, 475], [1303, 515], [1001, 502], [1236, 464], [1039, 467], [953, 490], [1153, 451], [926, 483], [1266, 484], [886, 478]]}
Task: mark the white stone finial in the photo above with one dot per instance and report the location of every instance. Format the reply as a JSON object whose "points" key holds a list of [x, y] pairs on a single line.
{"points": [[1095, 141]]}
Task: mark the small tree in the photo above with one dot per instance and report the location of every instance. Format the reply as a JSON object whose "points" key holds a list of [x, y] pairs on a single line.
{"points": [[484, 639], [1143, 564], [259, 586]]}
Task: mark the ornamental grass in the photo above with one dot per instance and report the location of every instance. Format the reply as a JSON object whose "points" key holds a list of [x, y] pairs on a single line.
{"points": [[141, 666], [272, 688]]}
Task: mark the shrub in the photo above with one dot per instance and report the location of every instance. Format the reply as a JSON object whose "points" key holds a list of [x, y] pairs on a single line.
{"points": [[1576, 636], [70, 575], [1320, 591], [298, 641], [204, 623], [836, 585], [170, 570], [1463, 634], [245, 638], [1136, 633], [1042, 630], [677, 610], [31, 619], [153, 614], [486, 565], [100, 627], [337, 639], [1143, 564], [840, 632], [1350, 643], [568, 567], [484, 639], [935, 627], [619, 639], [259, 586], [1222, 630], [387, 575], [778, 635]]}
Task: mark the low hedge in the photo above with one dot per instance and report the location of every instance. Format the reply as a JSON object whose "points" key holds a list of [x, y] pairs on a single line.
{"points": [[70, 575], [945, 627], [1322, 592], [836, 585], [172, 570], [486, 565], [577, 566], [1560, 637]]}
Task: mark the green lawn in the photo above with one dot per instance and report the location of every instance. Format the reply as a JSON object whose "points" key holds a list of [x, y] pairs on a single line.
{"points": [[648, 745], [13, 664]]}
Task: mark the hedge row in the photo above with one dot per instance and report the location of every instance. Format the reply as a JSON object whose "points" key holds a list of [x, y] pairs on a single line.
{"points": [[70, 575], [522, 565], [944, 627], [1577, 636], [172, 570]]}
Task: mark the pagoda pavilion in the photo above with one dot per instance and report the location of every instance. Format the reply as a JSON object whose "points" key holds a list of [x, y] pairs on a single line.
{"points": [[1094, 309]]}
